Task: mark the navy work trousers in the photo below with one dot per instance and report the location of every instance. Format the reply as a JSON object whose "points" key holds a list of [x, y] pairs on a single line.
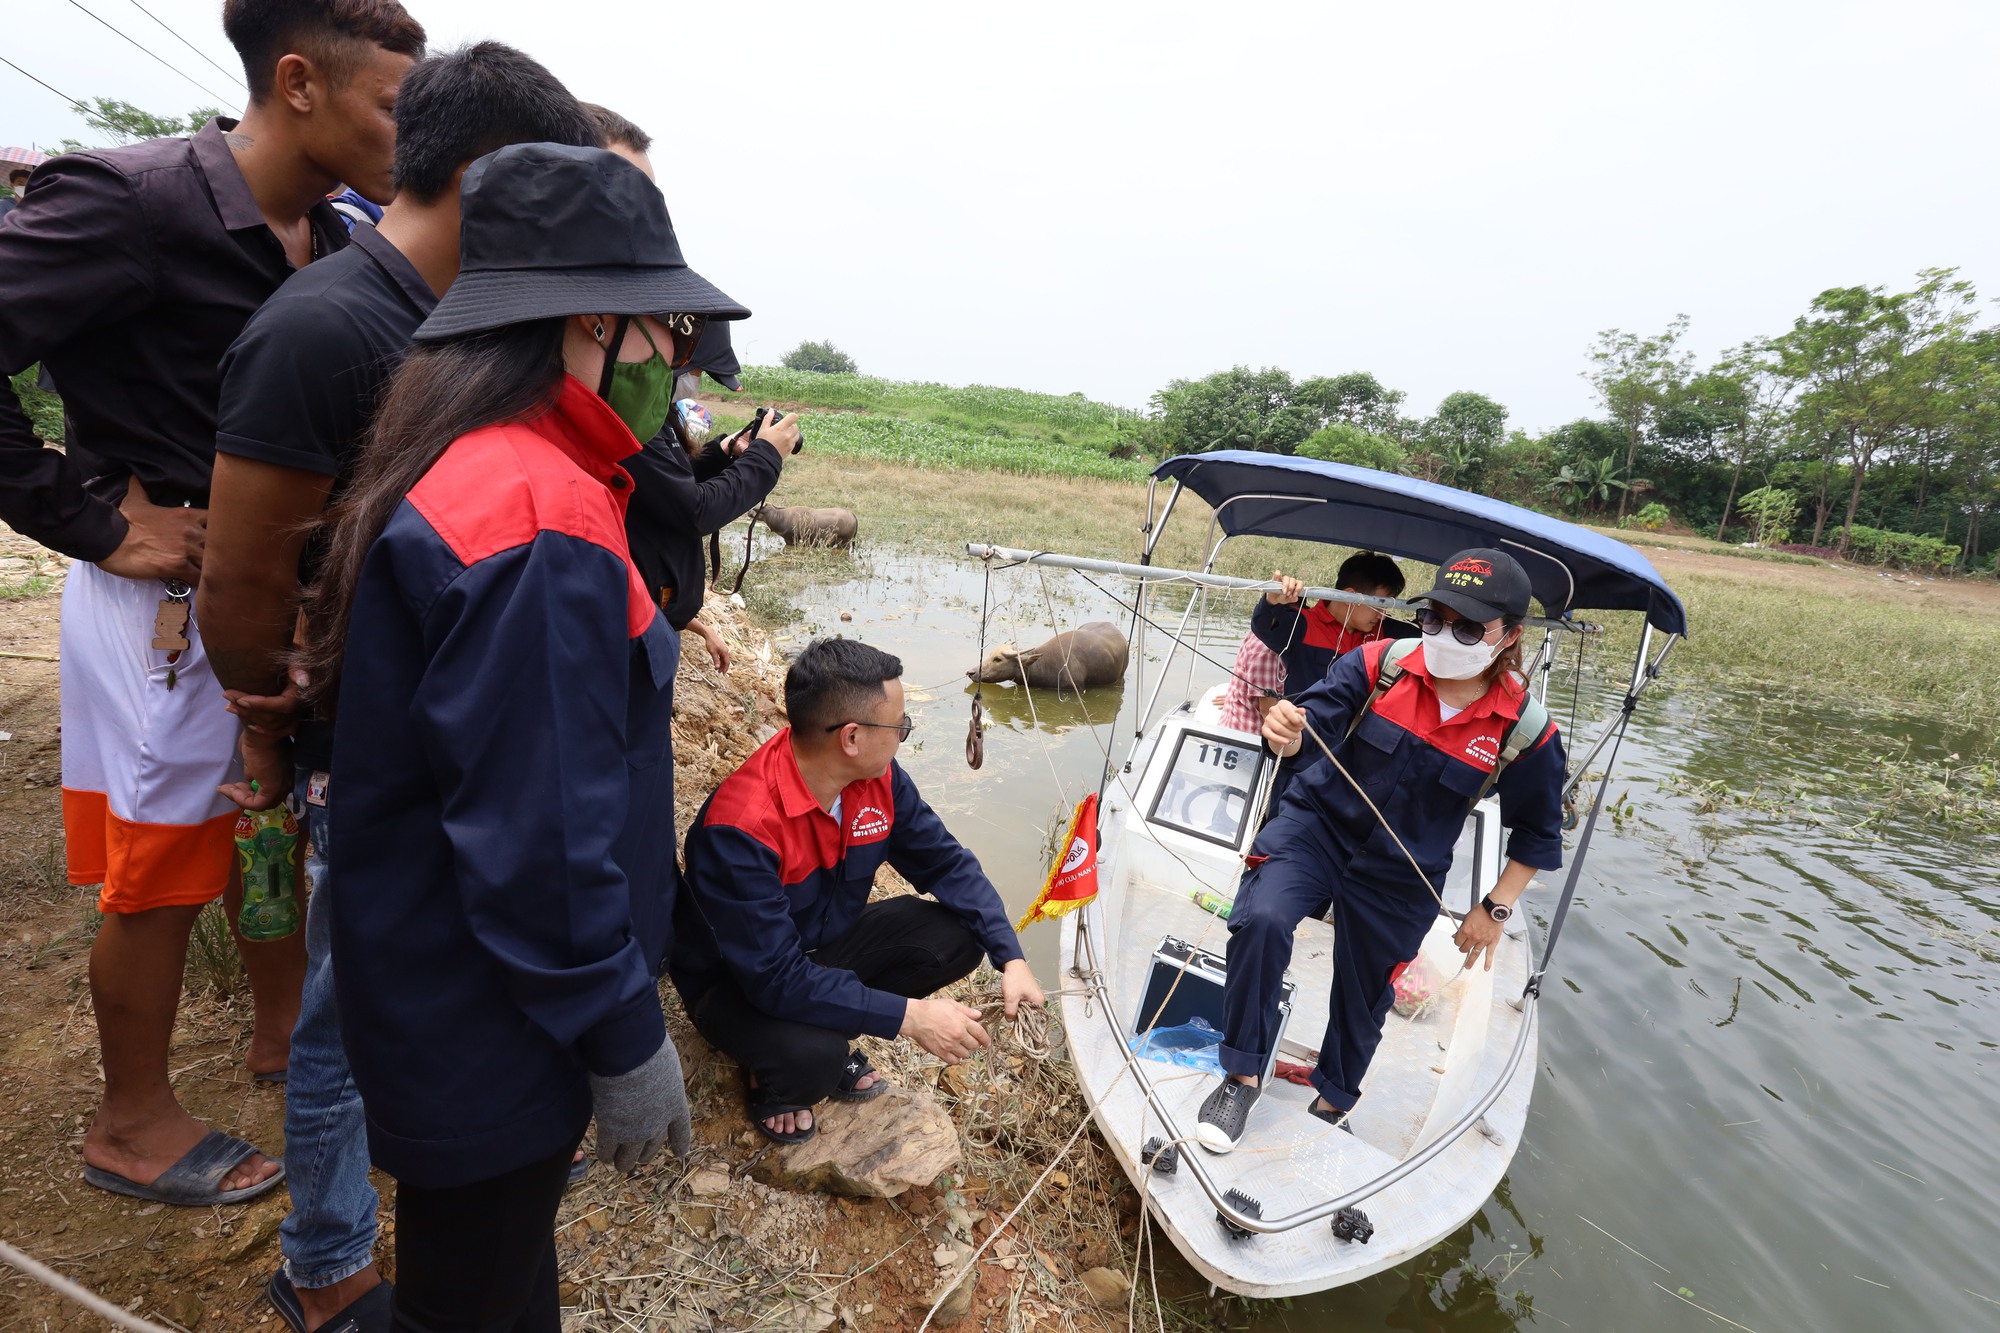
{"points": [[1373, 930], [905, 945]]}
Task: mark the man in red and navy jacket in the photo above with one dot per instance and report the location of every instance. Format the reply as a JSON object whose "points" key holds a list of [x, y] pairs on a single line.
{"points": [[1310, 639], [780, 956]]}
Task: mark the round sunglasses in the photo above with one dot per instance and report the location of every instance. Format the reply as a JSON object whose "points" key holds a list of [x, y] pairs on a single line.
{"points": [[1467, 632], [687, 331]]}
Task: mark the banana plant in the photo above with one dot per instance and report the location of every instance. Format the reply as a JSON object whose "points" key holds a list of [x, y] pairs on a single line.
{"points": [[1592, 482]]}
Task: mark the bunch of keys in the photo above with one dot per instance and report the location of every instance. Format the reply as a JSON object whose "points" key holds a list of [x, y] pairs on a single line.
{"points": [[170, 624]]}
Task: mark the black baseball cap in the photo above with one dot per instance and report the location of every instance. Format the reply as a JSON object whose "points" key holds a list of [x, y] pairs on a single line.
{"points": [[715, 356], [1482, 584], [548, 230]]}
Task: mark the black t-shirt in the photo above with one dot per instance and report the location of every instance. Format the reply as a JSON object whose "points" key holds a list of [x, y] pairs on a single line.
{"points": [[676, 502], [301, 382]]}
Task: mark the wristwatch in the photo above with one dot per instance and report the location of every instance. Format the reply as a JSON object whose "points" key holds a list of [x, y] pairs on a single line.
{"points": [[1498, 911]]}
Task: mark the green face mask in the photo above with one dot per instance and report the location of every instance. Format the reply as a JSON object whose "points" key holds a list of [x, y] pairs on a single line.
{"points": [[641, 392]]}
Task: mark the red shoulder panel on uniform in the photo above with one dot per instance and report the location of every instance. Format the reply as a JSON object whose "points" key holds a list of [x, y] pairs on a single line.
{"points": [[751, 801], [496, 488], [1371, 658], [745, 801]]}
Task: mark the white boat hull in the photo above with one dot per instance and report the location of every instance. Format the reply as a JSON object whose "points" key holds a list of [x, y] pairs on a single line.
{"points": [[1428, 1075]]}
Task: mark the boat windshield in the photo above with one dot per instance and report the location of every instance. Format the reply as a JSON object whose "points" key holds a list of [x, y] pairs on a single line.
{"points": [[1208, 787]]}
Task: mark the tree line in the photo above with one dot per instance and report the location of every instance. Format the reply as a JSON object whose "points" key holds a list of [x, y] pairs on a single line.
{"points": [[1869, 429]]}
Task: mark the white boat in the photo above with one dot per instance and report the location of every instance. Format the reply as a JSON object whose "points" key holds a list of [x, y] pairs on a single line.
{"points": [[1300, 1206]]}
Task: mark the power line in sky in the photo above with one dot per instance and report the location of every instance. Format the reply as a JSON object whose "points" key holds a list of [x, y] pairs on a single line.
{"points": [[154, 54], [226, 72], [51, 87]]}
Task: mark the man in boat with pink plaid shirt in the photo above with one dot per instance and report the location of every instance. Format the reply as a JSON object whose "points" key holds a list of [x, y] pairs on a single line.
{"points": [[1259, 674]]}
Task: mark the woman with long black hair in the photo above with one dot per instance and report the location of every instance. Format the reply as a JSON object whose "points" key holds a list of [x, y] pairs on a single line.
{"points": [[1420, 730], [502, 682]]}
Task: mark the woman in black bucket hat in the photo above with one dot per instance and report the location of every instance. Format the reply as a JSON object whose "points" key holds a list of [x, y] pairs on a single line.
{"points": [[502, 683]]}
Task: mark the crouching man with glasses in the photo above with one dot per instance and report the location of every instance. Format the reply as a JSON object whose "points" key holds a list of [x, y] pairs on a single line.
{"points": [[780, 956]]}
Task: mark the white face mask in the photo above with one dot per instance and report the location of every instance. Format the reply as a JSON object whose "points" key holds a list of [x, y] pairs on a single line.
{"points": [[1448, 659]]}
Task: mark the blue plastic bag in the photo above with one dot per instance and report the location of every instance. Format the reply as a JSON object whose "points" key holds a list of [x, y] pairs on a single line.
{"points": [[1192, 1045]]}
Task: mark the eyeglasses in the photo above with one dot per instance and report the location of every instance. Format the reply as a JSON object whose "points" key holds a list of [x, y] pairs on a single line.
{"points": [[687, 330], [902, 729], [1465, 631]]}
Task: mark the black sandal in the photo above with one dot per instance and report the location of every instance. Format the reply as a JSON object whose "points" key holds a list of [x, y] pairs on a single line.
{"points": [[1338, 1119], [856, 1069], [759, 1112]]}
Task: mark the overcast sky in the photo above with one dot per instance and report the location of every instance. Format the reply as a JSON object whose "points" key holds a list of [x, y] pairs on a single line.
{"points": [[1098, 197]]}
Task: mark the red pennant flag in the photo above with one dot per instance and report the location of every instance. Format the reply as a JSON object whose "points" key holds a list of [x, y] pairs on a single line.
{"points": [[1072, 879]]}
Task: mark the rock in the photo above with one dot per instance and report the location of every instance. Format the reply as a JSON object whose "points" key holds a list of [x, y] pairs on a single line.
{"points": [[184, 1309], [708, 1182], [872, 1149], [1108, 1287], [958, 1302], [256, 1230]]}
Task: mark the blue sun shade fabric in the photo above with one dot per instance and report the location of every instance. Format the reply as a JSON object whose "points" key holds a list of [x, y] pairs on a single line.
{"points": [[1303, 499]]}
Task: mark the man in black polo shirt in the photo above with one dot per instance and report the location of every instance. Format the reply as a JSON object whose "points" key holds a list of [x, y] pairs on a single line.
{"points": [[127, 272], [298, 389]]}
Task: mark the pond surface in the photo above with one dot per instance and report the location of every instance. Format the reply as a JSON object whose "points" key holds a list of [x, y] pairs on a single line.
{"points": [[1769, 1047]]}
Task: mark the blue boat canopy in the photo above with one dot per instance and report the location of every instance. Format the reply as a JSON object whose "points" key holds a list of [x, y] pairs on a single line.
{"points": [[1303, 499]]}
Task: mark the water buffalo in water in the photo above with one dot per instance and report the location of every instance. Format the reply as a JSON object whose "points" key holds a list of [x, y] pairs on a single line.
{"points": [[802, 526], [1079, 659]]}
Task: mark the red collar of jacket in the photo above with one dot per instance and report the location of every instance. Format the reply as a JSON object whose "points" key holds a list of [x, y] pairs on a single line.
{"points": [[788, 780], [768, 798], [1474, 735], [1324, 630], [594, 437]]}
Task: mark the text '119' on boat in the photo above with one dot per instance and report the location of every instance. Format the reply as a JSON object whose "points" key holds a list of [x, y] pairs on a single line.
{"points": [[1301, 1204]]}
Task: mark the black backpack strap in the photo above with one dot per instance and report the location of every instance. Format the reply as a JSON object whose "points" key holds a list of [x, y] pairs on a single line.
{"points": [[1520, 738], [1390, 672]]}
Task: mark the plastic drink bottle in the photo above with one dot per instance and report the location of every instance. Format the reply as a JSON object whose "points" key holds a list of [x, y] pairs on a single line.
{"points": [[266, 844], [1213, 903]]}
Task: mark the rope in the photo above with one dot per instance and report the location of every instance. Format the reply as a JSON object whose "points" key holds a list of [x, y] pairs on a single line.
{"points": [[1380, 817], [1576, 685], [1034, 719], [1310, 732], [68, 1289], [975, 733]]}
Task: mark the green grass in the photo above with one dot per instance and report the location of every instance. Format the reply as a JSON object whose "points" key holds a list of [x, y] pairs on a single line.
{"points": [[926, 444], [35, 585], [974, 408]]}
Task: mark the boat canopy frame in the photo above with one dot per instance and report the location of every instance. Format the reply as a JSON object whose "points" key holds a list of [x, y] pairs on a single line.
{"points": [[1569, 567]]}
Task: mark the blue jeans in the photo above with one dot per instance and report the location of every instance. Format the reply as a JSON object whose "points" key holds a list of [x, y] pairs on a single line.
{"points": [[330, 1233]]}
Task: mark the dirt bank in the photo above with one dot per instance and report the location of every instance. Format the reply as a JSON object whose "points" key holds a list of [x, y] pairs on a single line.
{"points": [[681, 1245]]}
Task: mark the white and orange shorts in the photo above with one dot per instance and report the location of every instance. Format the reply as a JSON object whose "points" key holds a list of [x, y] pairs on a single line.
{"points": [[141, 758]]}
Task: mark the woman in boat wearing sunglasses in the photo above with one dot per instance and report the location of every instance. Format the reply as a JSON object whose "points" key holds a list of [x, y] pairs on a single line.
{"points": [[1423, 751]]}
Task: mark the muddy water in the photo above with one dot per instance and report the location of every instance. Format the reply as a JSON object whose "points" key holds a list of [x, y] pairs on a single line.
{"points": [[1771, 1049]]}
